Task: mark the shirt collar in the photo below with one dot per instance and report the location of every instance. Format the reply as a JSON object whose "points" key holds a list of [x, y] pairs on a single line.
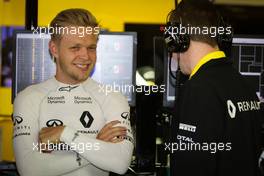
{"points": [[207, 58]]}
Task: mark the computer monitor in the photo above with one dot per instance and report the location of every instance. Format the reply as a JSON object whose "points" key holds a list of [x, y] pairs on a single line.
{"points": [[248, 58], [159, 53], [116, 61], [169, 94], [247, 54], [162, 75]]}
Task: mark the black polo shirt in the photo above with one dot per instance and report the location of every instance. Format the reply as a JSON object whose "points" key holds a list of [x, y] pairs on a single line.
{"points": [[219, 124]]}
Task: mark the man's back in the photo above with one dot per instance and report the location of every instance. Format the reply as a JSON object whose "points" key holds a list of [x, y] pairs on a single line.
{"points": [[225, 113]]}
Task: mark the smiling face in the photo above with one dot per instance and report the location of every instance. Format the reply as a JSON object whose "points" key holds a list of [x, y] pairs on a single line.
{"points": [[75, 57]]}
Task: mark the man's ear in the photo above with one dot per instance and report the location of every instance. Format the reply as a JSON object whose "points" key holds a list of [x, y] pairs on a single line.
{"points": [[53, 47]]}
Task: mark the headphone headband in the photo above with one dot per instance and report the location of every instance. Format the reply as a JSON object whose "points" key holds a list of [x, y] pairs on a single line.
{"points": [[179, 42]]}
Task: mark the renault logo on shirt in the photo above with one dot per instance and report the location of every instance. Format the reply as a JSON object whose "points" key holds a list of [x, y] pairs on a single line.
{"points": [[231, 109], [86, 119], [67, 88], [17, 120], [54, 123]]}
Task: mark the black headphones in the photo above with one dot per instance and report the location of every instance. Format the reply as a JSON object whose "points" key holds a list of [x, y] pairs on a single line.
{"points": [[175, 40], [179, 42]]}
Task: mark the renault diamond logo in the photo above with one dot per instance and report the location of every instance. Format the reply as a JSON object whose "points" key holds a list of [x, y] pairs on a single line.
{"points": [[231, 109], [54, 123], [67, 88], [17, 120], [86, 119]]}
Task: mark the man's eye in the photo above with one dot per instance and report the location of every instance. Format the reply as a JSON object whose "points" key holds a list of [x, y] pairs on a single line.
{"points": [[92, 48], [75, 48]]}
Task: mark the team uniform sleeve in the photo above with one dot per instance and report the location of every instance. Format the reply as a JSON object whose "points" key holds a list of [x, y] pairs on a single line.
{"points": [[114, 157], [198, 133], [29, 160]]}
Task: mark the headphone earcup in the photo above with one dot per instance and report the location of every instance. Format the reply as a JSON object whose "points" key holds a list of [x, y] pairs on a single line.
{"points": [[184, 42], [175, 40]]}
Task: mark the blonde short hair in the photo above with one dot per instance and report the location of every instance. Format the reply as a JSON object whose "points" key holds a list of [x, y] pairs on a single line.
{"points": [[72, 17]]}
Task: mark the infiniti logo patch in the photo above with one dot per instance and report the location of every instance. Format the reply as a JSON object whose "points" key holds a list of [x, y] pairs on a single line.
{"points": [[54, 123], [125, 115], [17, 120]]}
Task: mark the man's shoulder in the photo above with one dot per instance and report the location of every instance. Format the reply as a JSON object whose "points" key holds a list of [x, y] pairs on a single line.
{"points": [[36, 91], [219, 77], [217, 72], [92, 85], [102, 92]]}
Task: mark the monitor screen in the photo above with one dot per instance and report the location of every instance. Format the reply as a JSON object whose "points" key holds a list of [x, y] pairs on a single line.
{"points": [[115, 65], [247, 54], [248, 57], [169, 94], [162, 74]]}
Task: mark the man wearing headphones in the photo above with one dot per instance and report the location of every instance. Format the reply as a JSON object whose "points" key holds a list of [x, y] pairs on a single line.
{"points": [[216, 130]]}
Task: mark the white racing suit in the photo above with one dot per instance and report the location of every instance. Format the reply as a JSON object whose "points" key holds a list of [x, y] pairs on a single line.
{"points": [[83, 109]]}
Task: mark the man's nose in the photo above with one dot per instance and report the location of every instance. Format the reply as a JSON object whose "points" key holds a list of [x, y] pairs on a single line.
{"points": [[84, 53]]}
